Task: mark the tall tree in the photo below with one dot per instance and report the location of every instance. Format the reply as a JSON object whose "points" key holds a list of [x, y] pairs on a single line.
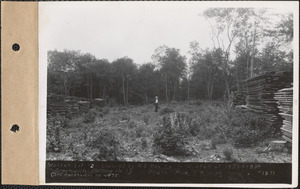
{"points": [[124, 69], [61, 70], [207, 66], [101, 70], [227, 25], [86, 73], [148, 80], [172, 66]]}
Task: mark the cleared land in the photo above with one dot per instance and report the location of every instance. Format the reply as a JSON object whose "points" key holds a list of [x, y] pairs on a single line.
{"points": [[194, 131]]}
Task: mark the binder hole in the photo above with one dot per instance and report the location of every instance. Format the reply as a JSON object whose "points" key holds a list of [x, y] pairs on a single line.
{"points": [[16, 47], [15, 128]]}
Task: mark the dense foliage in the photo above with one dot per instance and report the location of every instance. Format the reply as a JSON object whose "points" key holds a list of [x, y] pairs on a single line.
{"points": [[170, 139], [247, 42]]}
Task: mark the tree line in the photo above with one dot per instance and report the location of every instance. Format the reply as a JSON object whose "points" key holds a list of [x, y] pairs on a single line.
{"points": [[247, 42]]}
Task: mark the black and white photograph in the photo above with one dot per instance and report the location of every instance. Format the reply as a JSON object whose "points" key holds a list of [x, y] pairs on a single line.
{"points": [[168, 82]]}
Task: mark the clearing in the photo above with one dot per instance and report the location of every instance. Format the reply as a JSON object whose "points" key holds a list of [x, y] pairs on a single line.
{"points": [[194, 131]]}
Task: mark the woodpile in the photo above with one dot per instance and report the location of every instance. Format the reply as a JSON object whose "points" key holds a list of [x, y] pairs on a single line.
{"points": [[56, 105], [84, 106], [73, 107], [260, 95], [238, 98], [284, 99], [99, 102], [60, 105]]}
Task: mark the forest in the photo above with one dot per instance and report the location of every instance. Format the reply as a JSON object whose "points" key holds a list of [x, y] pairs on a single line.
{"points": [[247, 42], [196, 121]]}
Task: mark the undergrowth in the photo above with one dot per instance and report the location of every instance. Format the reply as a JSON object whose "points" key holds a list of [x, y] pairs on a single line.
{"points": [[109, 134]]}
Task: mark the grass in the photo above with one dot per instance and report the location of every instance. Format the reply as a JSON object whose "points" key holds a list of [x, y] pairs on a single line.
{"points": [[197, 131]]}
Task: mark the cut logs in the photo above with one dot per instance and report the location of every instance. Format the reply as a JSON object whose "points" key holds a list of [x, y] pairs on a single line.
{"points": [[238, 98], [60, 105], [260, 95], [56, 105], [284, 99]]}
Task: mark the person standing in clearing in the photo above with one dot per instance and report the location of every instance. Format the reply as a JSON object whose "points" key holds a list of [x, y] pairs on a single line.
{"points": [[156, 104]]}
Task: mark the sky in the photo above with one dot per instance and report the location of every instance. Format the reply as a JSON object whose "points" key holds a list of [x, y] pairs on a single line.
{"points": [[113, 30]]}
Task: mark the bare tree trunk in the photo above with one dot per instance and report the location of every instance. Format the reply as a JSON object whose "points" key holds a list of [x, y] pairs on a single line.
{"points": [[225, 73], [73, 91], [123, 90], [253, 51], [66, 91], [227, 89], [104, 89], [207, 86], [247, 55], [174, 91], [188, 89], [247, 65], [100, 91], [91, 90], [88, 91], [146, 98], [211, 89], [237, 78], [207, 89], [127, 87], [166, 89]]}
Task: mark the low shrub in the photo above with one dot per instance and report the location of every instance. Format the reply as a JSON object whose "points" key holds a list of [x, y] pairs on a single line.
{"points": [[54, 138], [205, 132], [146, 119], [213, 144], [194, 128], [125, 117], [123, 108], [219, 138], [108, 145], [144, 143], [170, 139], [75, 122], [174, 102], [144, 111], [105, 111], [90, 116], [217, 104], [139, 131], [204, 146], [131, 124], [248, 129], [228, 152], [195, 102], [79, 153], [166, 110]]}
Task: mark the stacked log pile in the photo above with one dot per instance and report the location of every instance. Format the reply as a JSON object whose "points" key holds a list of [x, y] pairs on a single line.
{"points": [[260, 95], [73, 107], [238, 98], [56, 105], [284, 99], [60, 105], [99, 102], [84, 106]]}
